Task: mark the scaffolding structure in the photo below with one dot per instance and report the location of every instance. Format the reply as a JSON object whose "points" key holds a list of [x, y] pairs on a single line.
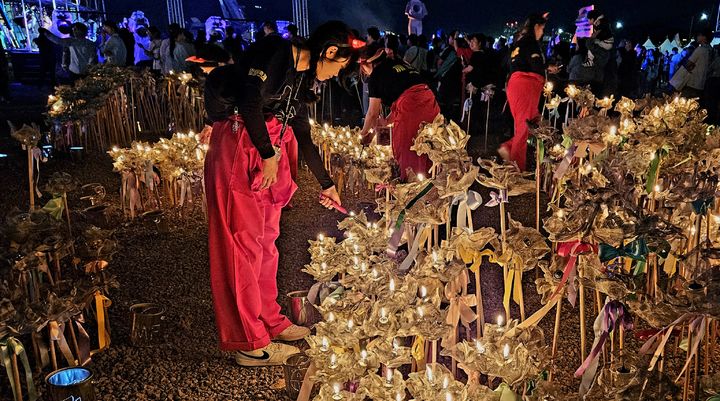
{"points": [[176, 12], [300, 16]]}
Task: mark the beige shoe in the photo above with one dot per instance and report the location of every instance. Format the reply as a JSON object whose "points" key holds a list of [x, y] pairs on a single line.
{"points": [[293, 333], [503, 152], [273, 354]]}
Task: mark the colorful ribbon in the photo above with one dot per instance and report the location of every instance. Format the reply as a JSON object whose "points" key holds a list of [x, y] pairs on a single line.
{"points": [[497, 198], [101, 304], [611, 317], [565, 163], [55, 207]]}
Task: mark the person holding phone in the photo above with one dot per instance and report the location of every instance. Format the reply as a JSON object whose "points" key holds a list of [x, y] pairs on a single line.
{"points": [[260, 114]]}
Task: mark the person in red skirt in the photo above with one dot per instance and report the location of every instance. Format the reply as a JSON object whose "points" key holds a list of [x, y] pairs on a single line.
{"points": [[525, 86], [260, 114], [394, 84]]}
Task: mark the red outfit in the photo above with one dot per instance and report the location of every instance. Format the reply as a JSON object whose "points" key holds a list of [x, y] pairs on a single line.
{"points": [[414, 107], [243, 224], [523, 93]]}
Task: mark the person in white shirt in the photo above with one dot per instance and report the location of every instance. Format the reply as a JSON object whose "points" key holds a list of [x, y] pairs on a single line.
{"points": [[183, 49], [142, 42], [113, 49], [698, 64], [83, 52], [167, 48], [153, 50]]}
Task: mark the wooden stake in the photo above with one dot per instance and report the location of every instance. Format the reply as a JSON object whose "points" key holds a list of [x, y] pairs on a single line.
{"points": [[31, 172], [479, 310], [583, 339], [556, 334], [16, 376], [686, 387]]}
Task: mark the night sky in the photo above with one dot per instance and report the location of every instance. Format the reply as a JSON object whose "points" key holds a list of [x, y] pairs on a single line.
{"points": [[640, 17]]}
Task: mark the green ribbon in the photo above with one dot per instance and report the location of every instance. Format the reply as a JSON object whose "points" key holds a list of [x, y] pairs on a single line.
{"points": [[636, 250], [652, 174], [9, 347], [55, 207], [567, 141], [401, 217], [541, 149], [701, 206], [506, 393]]}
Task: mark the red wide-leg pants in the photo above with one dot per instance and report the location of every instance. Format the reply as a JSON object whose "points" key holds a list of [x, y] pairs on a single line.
{"points": [[416, 106], [243, 224], [523, 93]]}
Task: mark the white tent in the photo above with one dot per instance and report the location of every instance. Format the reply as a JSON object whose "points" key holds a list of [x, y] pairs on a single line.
{"points": [[666, 46], [649, 44]]}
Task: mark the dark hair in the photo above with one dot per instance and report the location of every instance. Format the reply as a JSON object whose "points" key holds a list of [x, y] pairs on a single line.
{"points": [[110, 24], [80, 27], [392, 42], [593, 14], [293, 29], [271, 25], [371, 50], [173, 31], [374, 32], [422, 41], [331, 33], [461, 43], [707, 33], [529, 25], [413, 39], [477, 36]]}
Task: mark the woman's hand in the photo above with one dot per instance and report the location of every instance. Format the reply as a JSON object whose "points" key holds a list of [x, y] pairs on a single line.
{"points": [[269, 172], [553, 69], [329, 196]]}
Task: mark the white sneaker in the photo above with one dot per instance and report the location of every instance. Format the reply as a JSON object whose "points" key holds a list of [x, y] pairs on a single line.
{"points": [[273, 354]]}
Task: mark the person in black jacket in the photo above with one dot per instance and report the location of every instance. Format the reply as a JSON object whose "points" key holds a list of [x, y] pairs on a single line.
{"points": [[259, 109], [525, 86]]}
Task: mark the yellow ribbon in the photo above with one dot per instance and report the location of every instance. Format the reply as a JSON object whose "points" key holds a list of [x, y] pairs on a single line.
{"points": [[513, 283], [418, 349], [101, 304], [475, 257]]}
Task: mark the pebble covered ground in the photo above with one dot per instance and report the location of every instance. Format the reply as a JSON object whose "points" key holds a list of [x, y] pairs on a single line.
{"points": [[172, 269]]}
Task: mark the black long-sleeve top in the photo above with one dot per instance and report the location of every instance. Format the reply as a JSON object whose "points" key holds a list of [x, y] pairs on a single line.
{"points": [[527, 56], [258, 86]]}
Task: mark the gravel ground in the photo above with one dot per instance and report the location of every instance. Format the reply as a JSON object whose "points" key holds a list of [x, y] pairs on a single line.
{"points": [[172, 269]]}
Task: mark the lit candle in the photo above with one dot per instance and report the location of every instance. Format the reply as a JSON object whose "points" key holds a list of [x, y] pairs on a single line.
{"points": [[657, 188], [500, 320], [321, 237], [434, 257], [375, 274], [506, 351], [356, 249], [336, 390], [325, 344], [429, 374], [480, 347], [389, 377], [395, 346], [331, 317], [420, 311], [421, 177], [423, 291], [448, 396], [391, 286], [350, 324], [446, 382], [333, 361], [363, 358], [383, 316], [399, 396], [323, 267]]}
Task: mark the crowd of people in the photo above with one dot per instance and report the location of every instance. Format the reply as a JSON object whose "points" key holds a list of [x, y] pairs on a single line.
{"points": [[64, 59]]}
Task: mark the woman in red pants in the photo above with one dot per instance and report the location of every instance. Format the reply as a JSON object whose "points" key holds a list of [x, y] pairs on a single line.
{"points": [[395, 84], [525, 86], [260, 116]]}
